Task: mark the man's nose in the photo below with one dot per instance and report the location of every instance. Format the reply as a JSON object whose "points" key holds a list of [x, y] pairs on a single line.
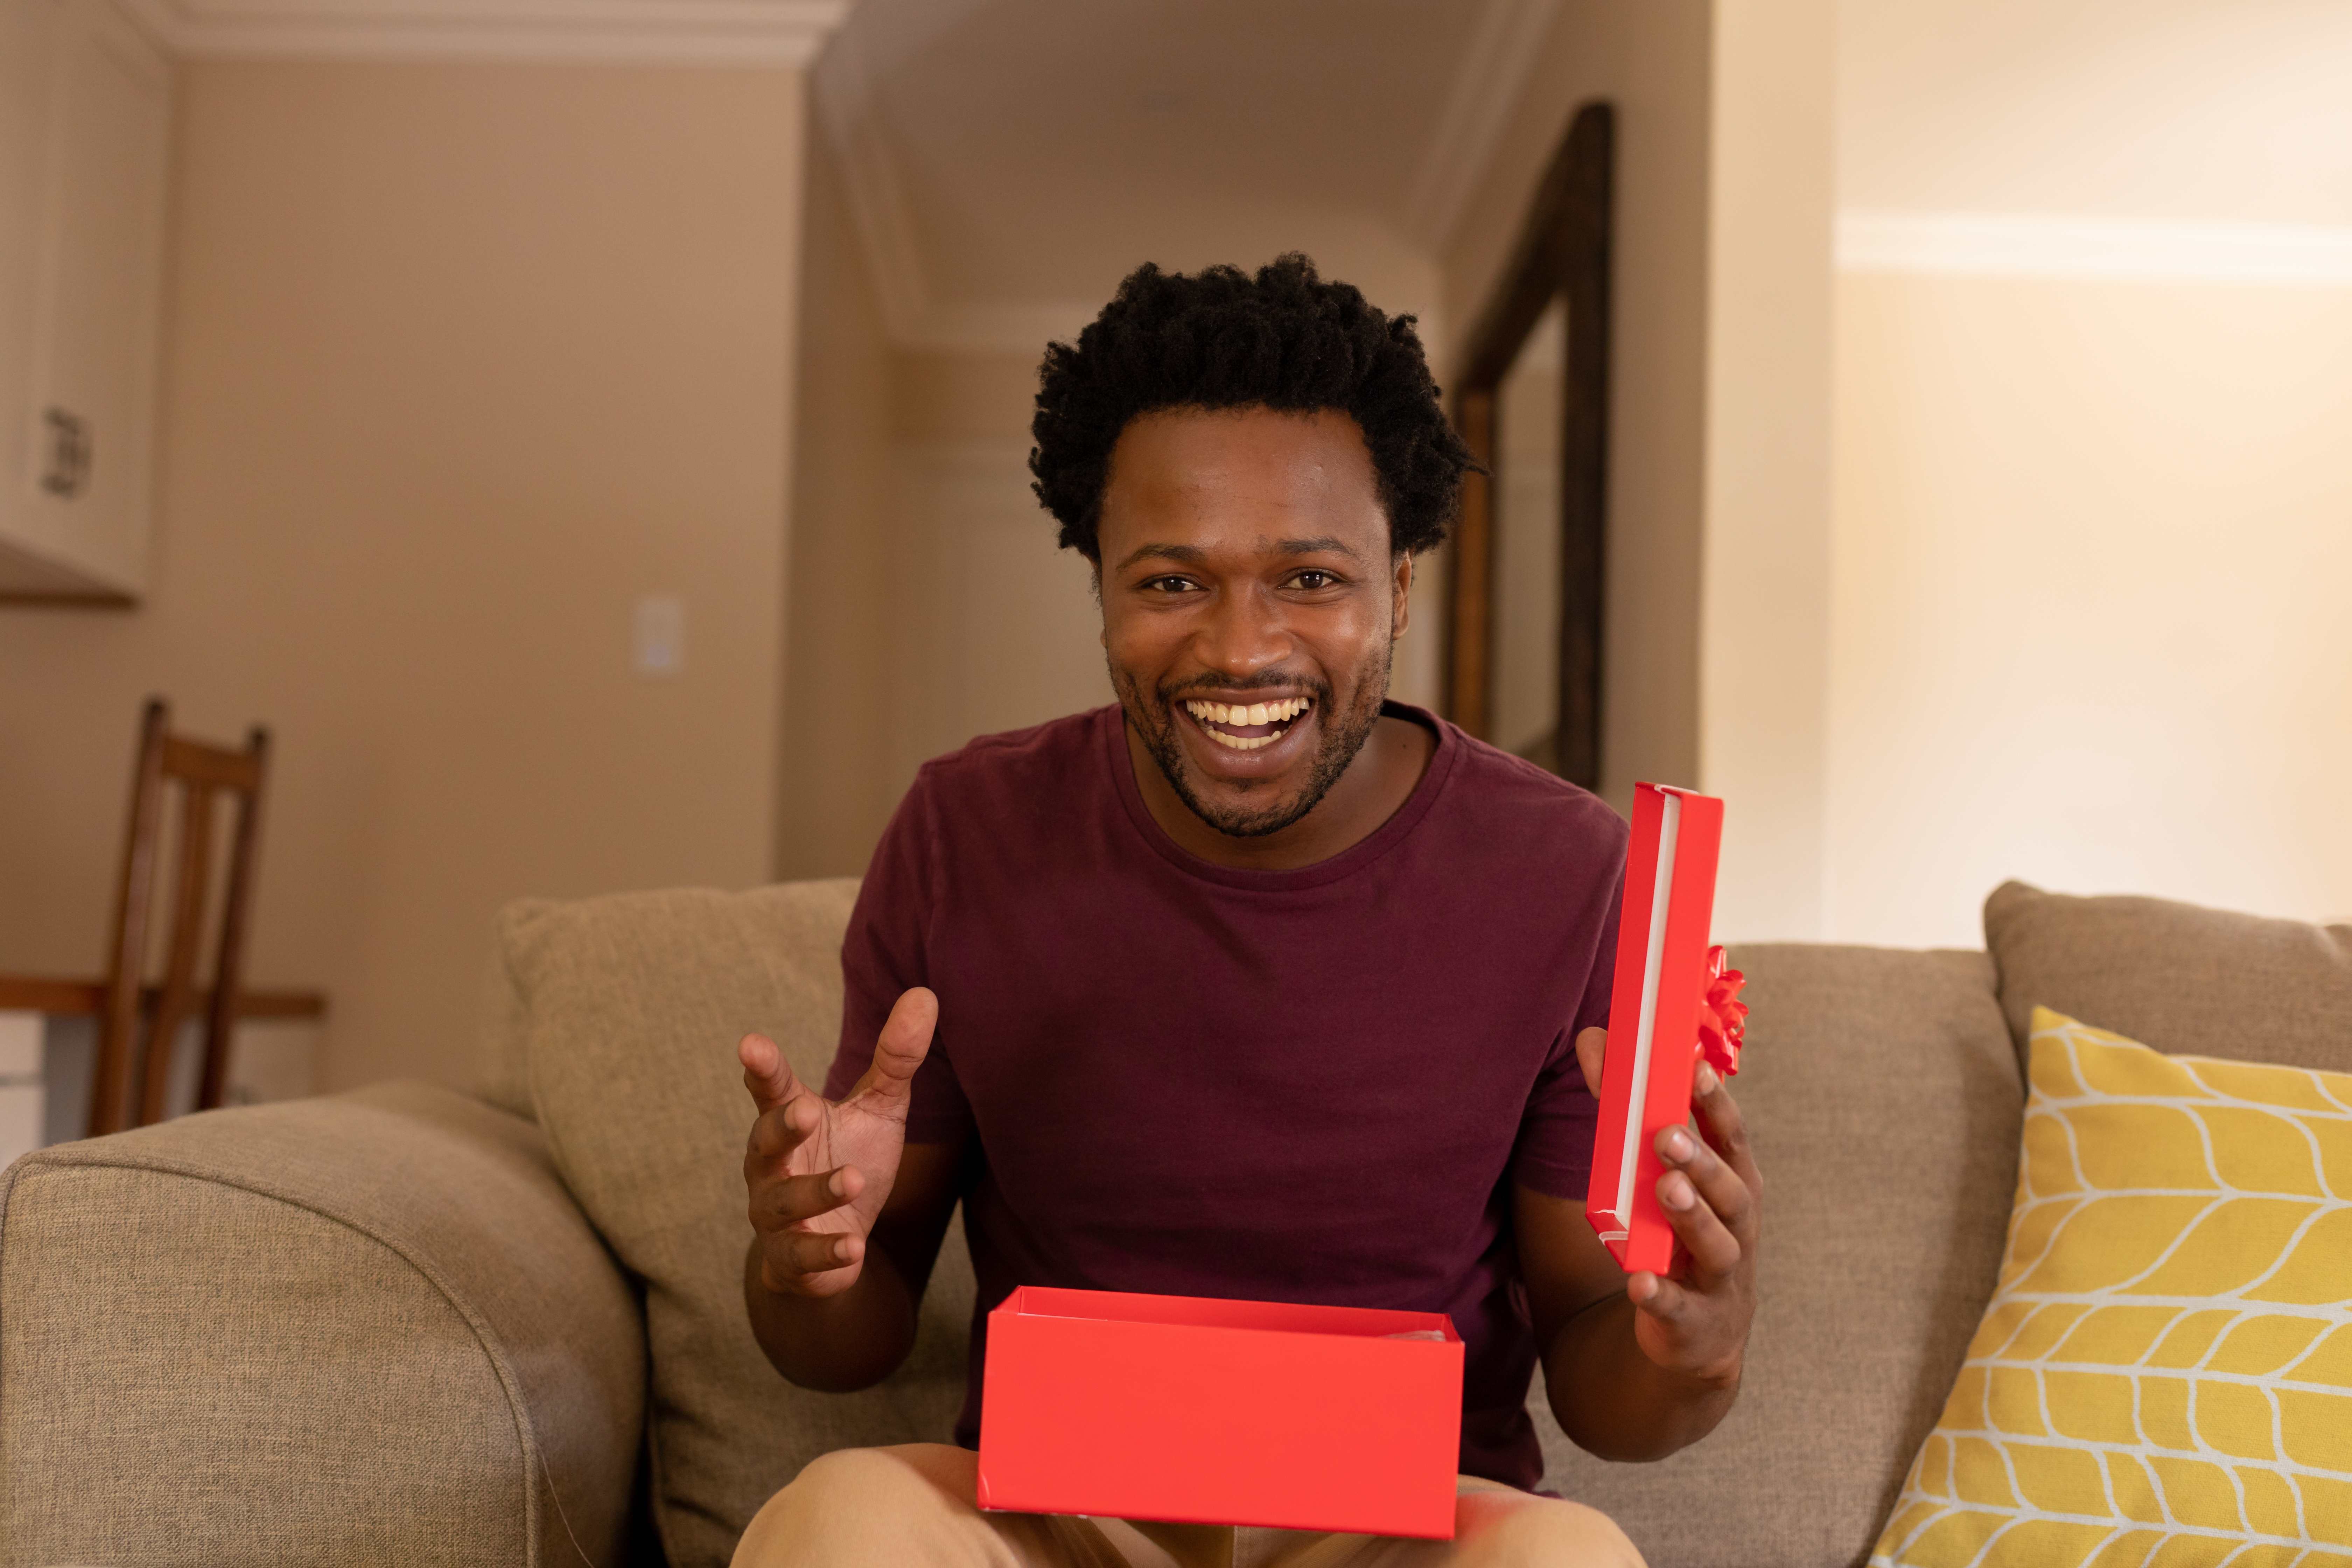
{"points": [[1245, 633]]}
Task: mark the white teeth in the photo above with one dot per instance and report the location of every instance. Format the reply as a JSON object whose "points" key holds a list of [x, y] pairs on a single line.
{"points": [[1252, 713]]}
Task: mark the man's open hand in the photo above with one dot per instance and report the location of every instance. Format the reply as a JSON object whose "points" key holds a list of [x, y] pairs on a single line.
{"points": [[1695, 1319], [818, 1171]]}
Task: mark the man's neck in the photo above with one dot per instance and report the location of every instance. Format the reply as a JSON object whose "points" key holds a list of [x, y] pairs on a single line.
{"points": [[1378, 782]]}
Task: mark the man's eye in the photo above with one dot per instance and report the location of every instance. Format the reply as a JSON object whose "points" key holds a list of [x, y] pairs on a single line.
{"points": [[1311, 580], [1168, 584]]}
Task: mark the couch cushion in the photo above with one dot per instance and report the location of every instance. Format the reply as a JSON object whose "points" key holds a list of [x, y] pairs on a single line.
{"points": [[1884, 1100], [2167, 1365], [2176, 977], [628, 1009]]}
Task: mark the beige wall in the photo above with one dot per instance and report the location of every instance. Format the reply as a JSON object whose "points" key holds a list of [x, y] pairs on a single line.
{"points": [[1716, 642], [2093, 533], [1764, 601], [1652, 62], [2143, 109], [462, 361], [832, 775], [2094, 542], [1883, 546]]}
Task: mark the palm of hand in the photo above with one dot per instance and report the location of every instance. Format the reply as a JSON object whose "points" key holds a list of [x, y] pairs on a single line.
{"points": [[853, 1133], [819, 1173]]}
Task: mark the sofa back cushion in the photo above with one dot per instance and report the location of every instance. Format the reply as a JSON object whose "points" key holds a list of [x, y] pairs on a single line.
{"points": [[1883, 1101], [622, 1014], [1881, 1088], [2176, 977]]}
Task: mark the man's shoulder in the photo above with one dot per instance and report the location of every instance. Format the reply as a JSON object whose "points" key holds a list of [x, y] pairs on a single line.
{"points": [[1509, 795], [1014, 762]]}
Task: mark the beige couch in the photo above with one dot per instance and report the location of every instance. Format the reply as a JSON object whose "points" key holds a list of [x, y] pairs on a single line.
{"points": [[413, 1326]]}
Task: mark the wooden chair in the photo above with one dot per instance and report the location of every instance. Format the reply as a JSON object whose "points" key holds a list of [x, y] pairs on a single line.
{"points": [[201, 771]]}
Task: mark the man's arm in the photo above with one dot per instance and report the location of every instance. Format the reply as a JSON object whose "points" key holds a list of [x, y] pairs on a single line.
{"points": [[842, 1343], [1638, 1367]]}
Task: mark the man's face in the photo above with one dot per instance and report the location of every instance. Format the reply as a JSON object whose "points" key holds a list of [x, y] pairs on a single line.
{"points": [[1249, 602]]}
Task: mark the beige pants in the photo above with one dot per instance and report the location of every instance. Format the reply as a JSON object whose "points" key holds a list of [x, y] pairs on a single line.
{"points": [[862, 1508]]}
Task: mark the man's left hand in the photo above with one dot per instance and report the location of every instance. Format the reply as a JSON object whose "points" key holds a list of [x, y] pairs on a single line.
{"points": [[1694, 1320]]}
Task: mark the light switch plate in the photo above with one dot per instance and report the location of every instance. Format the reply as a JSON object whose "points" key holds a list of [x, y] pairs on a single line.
{"points": [[661, 634]]}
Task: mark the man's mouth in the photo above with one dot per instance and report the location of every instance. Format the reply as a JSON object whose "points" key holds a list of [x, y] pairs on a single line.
{"points": [[1246, 726]]}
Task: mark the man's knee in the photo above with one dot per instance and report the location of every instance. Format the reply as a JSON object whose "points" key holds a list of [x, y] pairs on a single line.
{"points": [[1523, 1532], [858, 1503]]}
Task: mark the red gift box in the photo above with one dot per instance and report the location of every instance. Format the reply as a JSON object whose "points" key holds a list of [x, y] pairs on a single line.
{"points": [[1665, 985], [1198, 1411]]}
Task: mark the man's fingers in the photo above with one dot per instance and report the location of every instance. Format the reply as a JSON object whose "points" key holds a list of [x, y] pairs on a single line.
{"points": [[905, 1041], [780, 1131], [1718, 1186], [765, 1072], [1714, 1250], [816, 1287], [1660, 1296], [786, 1253], [1591, 1048], [1726, 1128], [776, 1205]]}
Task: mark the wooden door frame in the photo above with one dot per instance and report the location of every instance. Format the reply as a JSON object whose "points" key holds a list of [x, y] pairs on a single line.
{"points": [[1563, 252]]}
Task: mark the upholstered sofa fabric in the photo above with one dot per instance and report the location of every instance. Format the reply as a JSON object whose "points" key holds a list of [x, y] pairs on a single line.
{"points": [[627, 1011], [2176, 977], [371, 1329], [1881, 1085], [388, 1328], [1884, 1103]]}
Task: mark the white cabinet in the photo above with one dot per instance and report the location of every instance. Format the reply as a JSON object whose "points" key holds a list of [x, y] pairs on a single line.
{"points": [[85, 150]]}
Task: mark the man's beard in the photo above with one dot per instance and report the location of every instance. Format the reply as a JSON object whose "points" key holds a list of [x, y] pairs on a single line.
{"points": [[1344, 735]]}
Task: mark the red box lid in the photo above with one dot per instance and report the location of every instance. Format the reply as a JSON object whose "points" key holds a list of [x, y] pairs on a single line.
{"points": [[1202, 1411]]}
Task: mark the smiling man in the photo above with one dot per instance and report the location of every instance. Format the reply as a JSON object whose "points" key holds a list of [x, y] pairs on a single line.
{"points": [[1253, 984]]}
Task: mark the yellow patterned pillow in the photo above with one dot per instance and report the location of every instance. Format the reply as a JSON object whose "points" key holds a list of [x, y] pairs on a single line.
{"points": [[2164, 1376]]}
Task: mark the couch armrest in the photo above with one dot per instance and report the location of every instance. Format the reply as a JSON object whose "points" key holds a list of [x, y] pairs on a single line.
{"points": [[369, 1328]]}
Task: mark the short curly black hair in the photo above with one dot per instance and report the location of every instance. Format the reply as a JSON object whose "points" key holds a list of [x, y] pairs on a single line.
{"points": [[1221, 338]]}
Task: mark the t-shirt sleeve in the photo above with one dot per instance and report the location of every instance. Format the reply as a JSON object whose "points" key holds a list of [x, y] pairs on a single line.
{"points": [[1554, 1155], [884, 952]]}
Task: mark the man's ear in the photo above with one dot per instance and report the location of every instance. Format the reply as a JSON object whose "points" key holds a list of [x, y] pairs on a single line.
{"points": [[1401, 605]]}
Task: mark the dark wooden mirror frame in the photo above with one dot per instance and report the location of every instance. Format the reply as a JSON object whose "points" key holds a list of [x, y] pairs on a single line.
{"points": [[1563, 251]]}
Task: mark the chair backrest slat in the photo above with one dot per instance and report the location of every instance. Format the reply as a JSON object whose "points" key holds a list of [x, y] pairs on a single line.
{"points": [[202, 772], [187, 935]]}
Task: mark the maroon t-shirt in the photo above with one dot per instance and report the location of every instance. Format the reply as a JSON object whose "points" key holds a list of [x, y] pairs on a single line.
{"points": [[1317, 1084]]}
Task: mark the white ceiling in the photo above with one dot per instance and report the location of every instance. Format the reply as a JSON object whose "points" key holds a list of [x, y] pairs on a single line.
{"points": [[1008, 161]]}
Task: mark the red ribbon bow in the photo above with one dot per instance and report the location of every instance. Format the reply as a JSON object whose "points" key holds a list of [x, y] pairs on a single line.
{"points": [[1722, 1015]]}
